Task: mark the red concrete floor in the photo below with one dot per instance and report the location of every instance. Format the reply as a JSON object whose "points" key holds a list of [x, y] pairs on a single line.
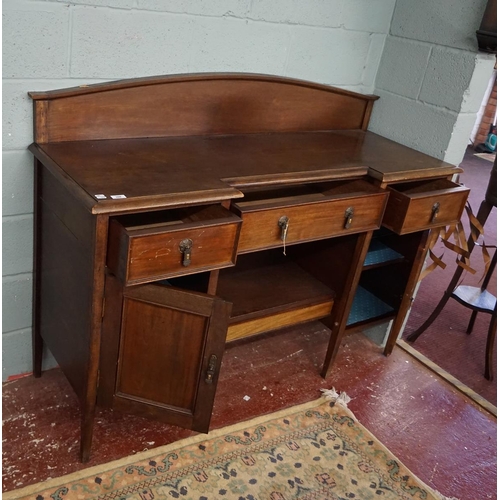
{"points": [[440, 435]]}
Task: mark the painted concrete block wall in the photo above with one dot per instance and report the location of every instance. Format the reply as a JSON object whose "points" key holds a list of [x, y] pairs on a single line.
{"points": [[49, 44], [431, 77]]}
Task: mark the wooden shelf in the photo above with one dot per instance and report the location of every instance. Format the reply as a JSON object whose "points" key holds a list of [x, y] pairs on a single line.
{"points": [[272, 297], [367, 307], [380, 254]]}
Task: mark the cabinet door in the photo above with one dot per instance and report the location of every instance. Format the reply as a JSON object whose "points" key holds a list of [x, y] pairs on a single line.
{"points": [[170, 350]]}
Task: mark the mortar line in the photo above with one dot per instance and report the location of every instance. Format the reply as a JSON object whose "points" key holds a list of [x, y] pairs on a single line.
{"points": [[428, 104], [70, 40], [424, 73], [233, 16]]}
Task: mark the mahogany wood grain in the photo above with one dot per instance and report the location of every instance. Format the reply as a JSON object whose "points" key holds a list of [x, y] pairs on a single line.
{"points": [[167, 338], [155, 173], [342, 305], [310, 216], [327, 261], [200, 105], [100, 241], [417, 264], [183, 142], [213, 282], [146, 247], [40, 121], [62, 176], [277, 321], [110, 340], [411, 205], [269, 289], [65, 278]]}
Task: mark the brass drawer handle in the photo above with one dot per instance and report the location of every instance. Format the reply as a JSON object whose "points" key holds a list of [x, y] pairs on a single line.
{"points": [[349, 216], [283, 224], [209, 378], [435, 211], [185, 247]]}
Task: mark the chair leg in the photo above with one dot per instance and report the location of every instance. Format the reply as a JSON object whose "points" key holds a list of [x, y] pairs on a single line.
{"points": [[428, 322], [471, 321], [492, 333]]}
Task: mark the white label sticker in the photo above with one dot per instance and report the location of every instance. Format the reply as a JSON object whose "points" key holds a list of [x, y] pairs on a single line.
{"points": [[118, 196], [100, 196]]}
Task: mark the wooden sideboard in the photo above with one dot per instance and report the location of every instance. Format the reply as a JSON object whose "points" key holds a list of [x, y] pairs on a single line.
{"points": [[176, 214]]}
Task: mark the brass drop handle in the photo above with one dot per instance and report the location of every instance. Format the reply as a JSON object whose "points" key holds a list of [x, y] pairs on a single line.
{"points": [[349, 216], [212, 363], [283, 224], [435, 211], [185, 247]]}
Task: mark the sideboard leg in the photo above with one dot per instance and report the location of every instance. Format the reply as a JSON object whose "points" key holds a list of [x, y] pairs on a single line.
{"points": [[37, 352], [87, 431], [411, 285], [342, 306], [90, 395], [37, 341]]}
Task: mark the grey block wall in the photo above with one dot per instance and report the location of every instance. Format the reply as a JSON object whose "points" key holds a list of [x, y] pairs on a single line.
{"points": [[431, 77], [56, 44]]}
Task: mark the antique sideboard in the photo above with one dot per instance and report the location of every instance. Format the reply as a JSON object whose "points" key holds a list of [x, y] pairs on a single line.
{"points": [[176, 214]]}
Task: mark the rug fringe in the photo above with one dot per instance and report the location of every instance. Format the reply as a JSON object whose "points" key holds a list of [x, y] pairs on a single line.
{"points": [[332, 395], [442, 497]]}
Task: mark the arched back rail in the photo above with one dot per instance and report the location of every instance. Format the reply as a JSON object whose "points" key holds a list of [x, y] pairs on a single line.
{"points": [[196, 104]]}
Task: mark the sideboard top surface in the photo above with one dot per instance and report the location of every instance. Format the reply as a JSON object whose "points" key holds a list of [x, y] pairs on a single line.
{"points": [[185, 139], [166, 170]]}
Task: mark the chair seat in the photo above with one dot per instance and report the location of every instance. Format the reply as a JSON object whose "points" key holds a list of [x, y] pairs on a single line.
{"points": [[475, 298]]}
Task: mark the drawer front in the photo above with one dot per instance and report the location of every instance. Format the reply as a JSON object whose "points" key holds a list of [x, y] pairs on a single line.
{"points": [[311, 221], [143, 257], [411, 210]]}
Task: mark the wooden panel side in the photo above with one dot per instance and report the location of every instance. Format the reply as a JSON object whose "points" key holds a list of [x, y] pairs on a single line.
{"points": [[202, 107], [40, 130], [65, 278]]}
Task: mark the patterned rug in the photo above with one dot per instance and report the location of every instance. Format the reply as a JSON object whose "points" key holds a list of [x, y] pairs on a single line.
{"points": [[313, 451]]}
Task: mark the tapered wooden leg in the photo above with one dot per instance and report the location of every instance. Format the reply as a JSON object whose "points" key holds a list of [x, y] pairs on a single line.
{"points": [[492, 333], [89, 400], [87, 431], [342, 306], [37, 353], [37, 341], [411, 285]]}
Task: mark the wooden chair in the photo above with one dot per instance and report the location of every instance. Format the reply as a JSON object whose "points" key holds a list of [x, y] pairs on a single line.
{"points": [[476, 298]]}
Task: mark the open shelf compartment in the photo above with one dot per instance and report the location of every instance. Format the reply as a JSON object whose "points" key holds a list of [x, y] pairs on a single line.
{"points": [[380, 254], [271, 297], [366, 307]]}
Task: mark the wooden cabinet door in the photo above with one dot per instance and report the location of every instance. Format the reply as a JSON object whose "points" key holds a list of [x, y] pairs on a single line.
{"points": [[170, 350]]}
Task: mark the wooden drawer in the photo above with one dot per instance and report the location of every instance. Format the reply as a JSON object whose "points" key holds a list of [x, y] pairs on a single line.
{"points": [[313, 212], [414, 206], [148, 247]]}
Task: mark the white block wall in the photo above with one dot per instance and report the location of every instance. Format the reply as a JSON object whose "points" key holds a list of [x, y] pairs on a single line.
{"points": [[420, 57], [50, 44], [431, 78]]}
